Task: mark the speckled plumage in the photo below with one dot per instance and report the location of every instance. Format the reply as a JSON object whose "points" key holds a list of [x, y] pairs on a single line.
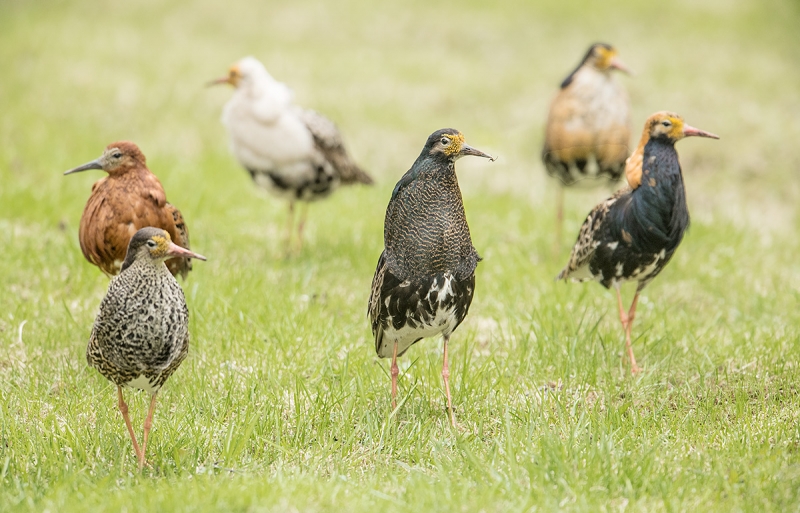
{"points": [[425, 278], [141, 333], [634, 234], [128, 199], [142, 329], [588, 125]]}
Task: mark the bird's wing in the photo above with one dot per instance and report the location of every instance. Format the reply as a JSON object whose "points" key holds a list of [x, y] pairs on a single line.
{"points": [[587, 242], [328, 140], [180, 235], [383, 282]]}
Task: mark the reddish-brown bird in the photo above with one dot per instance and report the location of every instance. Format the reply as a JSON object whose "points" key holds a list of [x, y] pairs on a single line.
{"points": [[128, 199]]}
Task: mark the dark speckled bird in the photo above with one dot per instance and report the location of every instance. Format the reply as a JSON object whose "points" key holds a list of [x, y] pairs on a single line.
{"points": [[129, 198], [632, 235], [425, 278], [588, 126], [141, 334]]}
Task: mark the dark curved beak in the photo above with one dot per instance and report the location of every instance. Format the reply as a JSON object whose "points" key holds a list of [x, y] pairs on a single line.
{"points": [[176, 251], [689, 131], [95, 164], [466, 149]]}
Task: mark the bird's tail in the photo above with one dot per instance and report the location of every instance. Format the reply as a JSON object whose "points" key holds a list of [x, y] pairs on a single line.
{"points": [[357, 175]]}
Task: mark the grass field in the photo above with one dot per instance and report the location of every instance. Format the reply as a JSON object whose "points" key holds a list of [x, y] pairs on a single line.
{"points": [[282, 404]]}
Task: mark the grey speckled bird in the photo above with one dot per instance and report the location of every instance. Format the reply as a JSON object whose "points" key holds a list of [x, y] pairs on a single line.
{"points": [[141, 334], [425, 278]]}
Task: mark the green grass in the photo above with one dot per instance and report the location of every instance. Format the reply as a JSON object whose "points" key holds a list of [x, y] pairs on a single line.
{"points": [[282, 404]]}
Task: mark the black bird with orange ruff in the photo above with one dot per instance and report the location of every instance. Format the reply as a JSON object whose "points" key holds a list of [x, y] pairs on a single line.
{"points": [[632, 235]]}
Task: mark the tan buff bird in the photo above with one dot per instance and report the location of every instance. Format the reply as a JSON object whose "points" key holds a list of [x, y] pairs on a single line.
{"points": [[588, 126]]}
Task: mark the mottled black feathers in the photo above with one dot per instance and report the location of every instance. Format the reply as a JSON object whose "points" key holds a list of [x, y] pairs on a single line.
{"points": [[634, 234], [425, 229], [412, 307]]}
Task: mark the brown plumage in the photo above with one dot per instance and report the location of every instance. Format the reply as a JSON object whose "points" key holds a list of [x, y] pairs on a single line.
{"points": [[128, 199], [588, 126]]}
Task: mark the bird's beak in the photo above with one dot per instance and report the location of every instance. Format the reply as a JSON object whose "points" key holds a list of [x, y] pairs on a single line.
{"points": [[223, 80], [689, 131], [466, 149], [95, 164], [176, 251], [616, 63]]}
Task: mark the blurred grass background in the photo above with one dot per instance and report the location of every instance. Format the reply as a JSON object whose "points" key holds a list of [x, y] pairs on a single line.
{"points": [[282, 404]]}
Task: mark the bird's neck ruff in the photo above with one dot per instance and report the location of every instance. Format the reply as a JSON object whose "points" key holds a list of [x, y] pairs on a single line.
{"points": [[656, 214], [144, 264], [425, 230]]}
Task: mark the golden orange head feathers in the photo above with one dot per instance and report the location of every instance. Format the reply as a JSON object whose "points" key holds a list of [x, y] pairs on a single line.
{"points": [[604, 57], [661, 125]]}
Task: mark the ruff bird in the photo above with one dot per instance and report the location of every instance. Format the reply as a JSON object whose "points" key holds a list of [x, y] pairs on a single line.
{"points": [[294, 153], [588, 126], [141, 334], [128, 199], [425, 278], [632, 235]]}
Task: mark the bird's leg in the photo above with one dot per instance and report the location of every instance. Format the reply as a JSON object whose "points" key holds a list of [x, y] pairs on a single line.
{"points": [[446, 377], [289, 226], [395, 372], [631, 315], [148, 423], [124, 409], [623, 317], [301, 225], [559, 218]]}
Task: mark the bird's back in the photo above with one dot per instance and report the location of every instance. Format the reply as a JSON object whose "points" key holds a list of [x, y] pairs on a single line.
{"points": [[117, 208]]}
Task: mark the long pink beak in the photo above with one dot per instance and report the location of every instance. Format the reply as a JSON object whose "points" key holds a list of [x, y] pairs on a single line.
{"points": [[689, 131], [616, 63], [177, 251], [223, 80]]}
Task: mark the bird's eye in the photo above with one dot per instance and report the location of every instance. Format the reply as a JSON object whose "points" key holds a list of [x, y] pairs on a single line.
{"points": [[151, 243], [445, 141], [117, 155], [666, 122]]}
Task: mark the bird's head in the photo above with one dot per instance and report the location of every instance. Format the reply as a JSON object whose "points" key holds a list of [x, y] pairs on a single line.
{"points": [[154, 245], [242, 72], [670, 126], [117, 158], [603, 57], [449, 144]]}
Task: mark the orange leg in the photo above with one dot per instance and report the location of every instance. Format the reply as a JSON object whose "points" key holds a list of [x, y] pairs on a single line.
{"points": [[124, 409], [631, 315], [446, 377], [301, 225], [289, 227], [627, 323], [148, 423], [559, 218], [395, 372]]}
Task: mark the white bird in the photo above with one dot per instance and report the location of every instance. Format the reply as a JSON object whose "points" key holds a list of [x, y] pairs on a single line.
{"points": [[292, 152]]}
